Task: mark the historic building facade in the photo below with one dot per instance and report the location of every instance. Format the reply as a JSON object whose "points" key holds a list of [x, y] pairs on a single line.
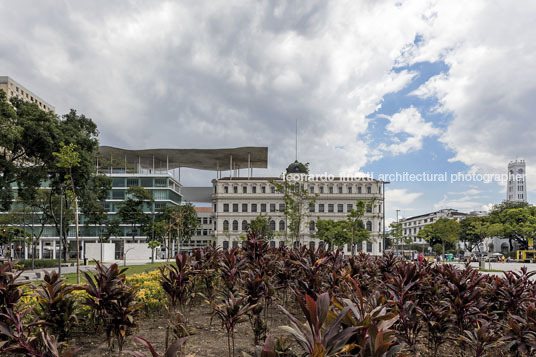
{"points": [[239, 200]]}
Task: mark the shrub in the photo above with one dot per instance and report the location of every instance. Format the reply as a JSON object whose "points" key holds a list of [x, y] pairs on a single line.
{"points": [[318, 337], [56, 305], [112, 301], [10, 288]]}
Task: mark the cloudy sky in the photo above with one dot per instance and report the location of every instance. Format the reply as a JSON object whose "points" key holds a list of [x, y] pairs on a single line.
{"points": [[376, 86]]}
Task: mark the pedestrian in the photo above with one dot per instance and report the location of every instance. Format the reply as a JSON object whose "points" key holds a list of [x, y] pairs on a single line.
{"points": [[420, 257]]}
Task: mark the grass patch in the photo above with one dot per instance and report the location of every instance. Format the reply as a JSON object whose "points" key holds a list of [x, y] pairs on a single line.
{"points": [[70, 278], [491, 270]]}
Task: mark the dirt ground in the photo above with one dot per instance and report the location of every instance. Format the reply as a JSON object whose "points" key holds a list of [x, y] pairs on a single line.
{"points": [[208, 339]]}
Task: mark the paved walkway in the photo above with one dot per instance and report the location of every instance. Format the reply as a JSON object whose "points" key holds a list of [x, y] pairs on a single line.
{"points": [[38, 274]]}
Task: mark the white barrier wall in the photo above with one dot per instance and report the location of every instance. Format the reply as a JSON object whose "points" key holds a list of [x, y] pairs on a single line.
{"points": [[137, 251], [93, 251]]}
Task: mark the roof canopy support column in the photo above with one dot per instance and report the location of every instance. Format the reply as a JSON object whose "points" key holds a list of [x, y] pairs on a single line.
{"points": [[249, 165], [231, 166]]}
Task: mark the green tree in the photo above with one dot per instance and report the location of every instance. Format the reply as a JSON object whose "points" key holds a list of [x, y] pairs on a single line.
{"points": [[515, 222], [176, 223], [29, 138], [334, 233], [357, 229], [444, 231], [396, 234], [131, 211], [260, 226], [473, 231], [297, 201], [69, 159]]}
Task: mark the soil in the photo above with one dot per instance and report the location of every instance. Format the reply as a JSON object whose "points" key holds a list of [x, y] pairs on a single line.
{"points": [[207, 338]]}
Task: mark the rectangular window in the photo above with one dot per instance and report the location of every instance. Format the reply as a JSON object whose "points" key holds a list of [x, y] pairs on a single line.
{"points": [[263, 207], [340, 208], [340, 189], [320, 207], [132, 182], [146, 182], [330, 207], [225, 207], [263, 189], [349, 207], [225, 189], [244, 189], [254, 189], [330, 189], [272, 207], [281, 207], [244, 207], [205, 220], [312, 207], [321, 188], [253, 207], [235, 189], [311, 189], [118, 194], [118, 182], [349, 189], [272, 189], [369, 247], [235, 207], [359, 189], [369, 190], [160, 182], [369, 208]]}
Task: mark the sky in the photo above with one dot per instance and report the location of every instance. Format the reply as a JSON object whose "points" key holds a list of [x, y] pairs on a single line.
{"points": [[379, 87]]}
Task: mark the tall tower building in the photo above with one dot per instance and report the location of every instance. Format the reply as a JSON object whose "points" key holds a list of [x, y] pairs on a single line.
{"points": [[516, 189]]}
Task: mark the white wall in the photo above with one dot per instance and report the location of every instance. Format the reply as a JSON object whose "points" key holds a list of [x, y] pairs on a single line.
{"points": [[138, 251], [93, 251]]}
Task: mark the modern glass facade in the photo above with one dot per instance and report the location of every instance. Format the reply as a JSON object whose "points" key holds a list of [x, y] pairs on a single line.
{"points": [[164, 188]]}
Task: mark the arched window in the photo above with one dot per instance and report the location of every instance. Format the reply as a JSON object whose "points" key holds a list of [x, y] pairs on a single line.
{"points": [[312, 245], [244, 225], [369, 226], [235, 225], [281, 225], [312, 226], [225, 244], [272, 225], [226, 228]]}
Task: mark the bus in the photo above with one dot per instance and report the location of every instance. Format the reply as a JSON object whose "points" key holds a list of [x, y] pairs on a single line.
{"points": [[525, 256]]}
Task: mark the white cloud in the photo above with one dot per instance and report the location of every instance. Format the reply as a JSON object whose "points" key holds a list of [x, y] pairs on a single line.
{"points": [[491, 83], [218, 74], [410, 122], [399, 198]]}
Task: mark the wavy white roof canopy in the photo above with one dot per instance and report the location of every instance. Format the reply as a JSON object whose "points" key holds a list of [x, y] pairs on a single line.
{"points": [[201, 159]]}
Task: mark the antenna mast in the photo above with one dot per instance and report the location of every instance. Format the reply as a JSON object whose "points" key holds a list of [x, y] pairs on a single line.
{"points": [[296, 139]]}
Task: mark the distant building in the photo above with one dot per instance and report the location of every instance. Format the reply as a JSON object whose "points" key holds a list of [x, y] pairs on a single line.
{"points": [[516, 189], [239, 200], [204, 234], [14, 89], [411, 226]]}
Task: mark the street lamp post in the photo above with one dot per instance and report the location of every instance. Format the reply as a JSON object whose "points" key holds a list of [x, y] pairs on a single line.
{"points": [[383, 204], [397, 221]]}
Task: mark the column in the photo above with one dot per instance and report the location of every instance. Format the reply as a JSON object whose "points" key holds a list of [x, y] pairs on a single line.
{"points": [[53, 249], [40, 249]]}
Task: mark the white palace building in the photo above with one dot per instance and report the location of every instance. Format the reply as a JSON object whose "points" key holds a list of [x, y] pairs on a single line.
{"points": [[236, 201]]}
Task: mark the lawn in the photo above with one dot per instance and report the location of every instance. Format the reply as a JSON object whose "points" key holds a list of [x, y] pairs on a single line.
{"points": [[70, 278]]}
